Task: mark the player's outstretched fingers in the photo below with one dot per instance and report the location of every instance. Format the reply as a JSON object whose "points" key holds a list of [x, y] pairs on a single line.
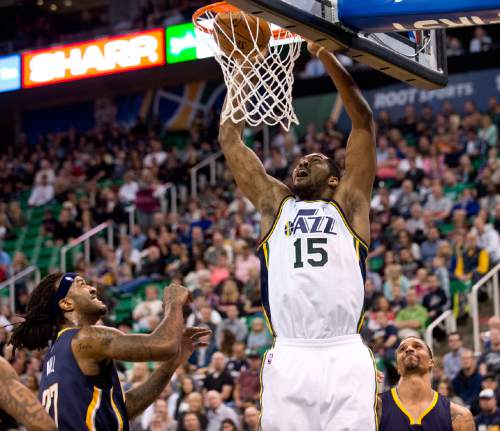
{"points": [[200, 344], [196, 332]]}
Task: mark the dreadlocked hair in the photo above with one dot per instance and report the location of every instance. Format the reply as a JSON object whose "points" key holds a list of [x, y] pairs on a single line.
{"points": [[40, 325]]}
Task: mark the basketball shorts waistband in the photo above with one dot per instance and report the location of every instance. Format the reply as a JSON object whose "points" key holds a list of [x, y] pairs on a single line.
{"points": [[318, 342]]}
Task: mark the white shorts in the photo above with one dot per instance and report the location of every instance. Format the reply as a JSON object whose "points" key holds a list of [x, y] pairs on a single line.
{"points": [[319, 385]]}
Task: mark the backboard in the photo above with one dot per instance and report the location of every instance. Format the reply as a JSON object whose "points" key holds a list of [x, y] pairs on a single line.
{"points": [[417, 57]]}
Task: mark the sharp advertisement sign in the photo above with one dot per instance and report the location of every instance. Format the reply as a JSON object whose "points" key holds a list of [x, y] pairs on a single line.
{"points": [[98, 57]]}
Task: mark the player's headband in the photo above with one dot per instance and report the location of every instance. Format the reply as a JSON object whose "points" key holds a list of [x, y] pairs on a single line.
{"points": [[62, 290]]}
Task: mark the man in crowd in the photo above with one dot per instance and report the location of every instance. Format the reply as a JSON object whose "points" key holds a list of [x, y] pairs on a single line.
{"points": [[218, 411], [411, 320], [247, 387], [452, 359], [489, 418], [467, 383], [435, 299], [251, 419], [148, 312], [218, 378], [489, 362], [232, 323]]}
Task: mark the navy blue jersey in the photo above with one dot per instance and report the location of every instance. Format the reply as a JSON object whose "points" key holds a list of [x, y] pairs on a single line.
{"points": [[396, 418], [78, 402]]}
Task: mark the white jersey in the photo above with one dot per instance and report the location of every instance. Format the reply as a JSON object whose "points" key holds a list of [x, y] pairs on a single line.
{"points": [[313, 271]]}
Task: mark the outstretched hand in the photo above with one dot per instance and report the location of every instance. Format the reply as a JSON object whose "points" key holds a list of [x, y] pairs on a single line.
{"points": [[190, 341]]}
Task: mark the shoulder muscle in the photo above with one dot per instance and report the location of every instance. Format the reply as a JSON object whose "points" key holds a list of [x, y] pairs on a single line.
{"points": [[461, 418]]}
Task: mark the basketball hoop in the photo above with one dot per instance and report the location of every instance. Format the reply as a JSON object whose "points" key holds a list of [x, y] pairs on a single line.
{"points": [[259, 80]]}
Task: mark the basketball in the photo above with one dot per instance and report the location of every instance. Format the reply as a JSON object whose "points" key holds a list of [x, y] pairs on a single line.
{"points": [[247, 31]]}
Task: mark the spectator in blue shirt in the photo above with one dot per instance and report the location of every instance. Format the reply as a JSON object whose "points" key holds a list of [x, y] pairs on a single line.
{"points": [[429, 248], [467, 383], [435, 299]]}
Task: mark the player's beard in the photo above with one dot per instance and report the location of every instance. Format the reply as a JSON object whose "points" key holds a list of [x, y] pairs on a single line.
{"points": [[412, 366], [306, 191]]}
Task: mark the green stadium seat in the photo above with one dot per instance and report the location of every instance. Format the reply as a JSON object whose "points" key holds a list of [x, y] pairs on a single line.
{"points": [[446, 228]]}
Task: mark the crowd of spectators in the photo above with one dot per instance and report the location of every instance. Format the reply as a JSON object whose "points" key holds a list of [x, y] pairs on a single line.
{"points": [[30, 25], [434, 232]]}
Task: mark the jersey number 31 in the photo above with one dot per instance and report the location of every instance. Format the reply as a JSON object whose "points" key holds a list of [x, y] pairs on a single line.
{"points": [[316, 252]]}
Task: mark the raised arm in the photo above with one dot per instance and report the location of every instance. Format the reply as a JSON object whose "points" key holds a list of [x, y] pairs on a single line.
{"points": [[139, 398], [20, 403], [264, 191], [360, 164], [96, 343]]}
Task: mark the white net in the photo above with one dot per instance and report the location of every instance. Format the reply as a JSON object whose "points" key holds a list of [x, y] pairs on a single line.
{"points": [[259, 80]]}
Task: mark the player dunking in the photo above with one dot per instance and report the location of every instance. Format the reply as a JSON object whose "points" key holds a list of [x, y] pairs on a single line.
{"points": [[319, 375], [79, 385], [412, 404]]}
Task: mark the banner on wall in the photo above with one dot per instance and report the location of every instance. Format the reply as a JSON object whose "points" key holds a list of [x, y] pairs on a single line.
{"points": [[478, 86], [177, 107], [98, 57], [10, 73]]}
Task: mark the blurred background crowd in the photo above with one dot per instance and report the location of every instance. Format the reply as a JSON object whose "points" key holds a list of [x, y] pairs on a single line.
{"points": [[435, 225], [434, 232]]}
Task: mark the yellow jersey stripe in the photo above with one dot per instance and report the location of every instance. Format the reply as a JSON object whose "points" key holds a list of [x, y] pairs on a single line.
{"points": [[261, 388], [376, 389], [268, 322], [265, 248], [428, 410], [117, 412], [361, 322], [400, 406], [62, 331], [410, 417], [92, 409], [276, 219]]}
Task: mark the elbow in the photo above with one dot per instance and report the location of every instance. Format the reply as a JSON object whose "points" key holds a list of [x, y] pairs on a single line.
{"points": [[366, 116], [364, 119]]}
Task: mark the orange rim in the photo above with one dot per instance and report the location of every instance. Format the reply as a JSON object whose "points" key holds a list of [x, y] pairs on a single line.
{"points": [[223, 6]]}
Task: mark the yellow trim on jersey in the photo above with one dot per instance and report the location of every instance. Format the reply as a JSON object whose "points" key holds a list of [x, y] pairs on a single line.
{"points": [[276, 219], [268, 322], [265, 248], [357, 249], [117, 412], [376, 389], [62, 331], [92, 408], [263, 363], [361, 322], [349, 228], [428, 409], [410, 417], [261, 387]]}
